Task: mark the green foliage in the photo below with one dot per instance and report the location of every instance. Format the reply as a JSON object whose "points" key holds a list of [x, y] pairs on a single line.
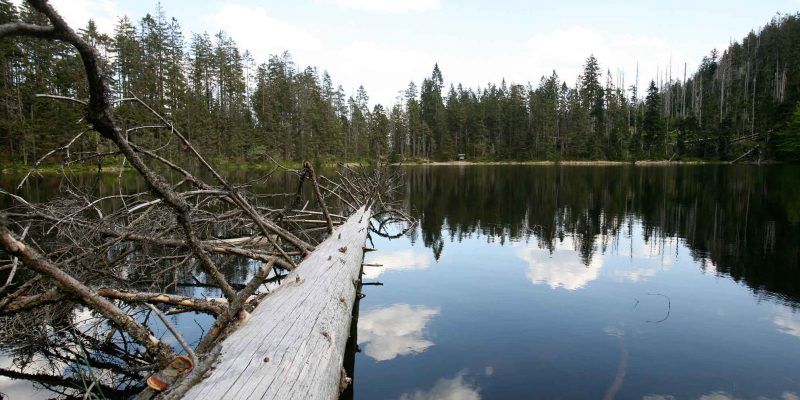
{"points": [[788, 140], [652, 127], [237, 109]]}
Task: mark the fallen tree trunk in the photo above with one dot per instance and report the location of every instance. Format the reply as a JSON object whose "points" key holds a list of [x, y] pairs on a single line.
{"points": [[294, 343], [135, 246], [745, 155]]}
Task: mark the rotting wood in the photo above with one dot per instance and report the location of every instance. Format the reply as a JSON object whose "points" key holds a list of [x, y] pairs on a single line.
{"points": [[294, 342]]}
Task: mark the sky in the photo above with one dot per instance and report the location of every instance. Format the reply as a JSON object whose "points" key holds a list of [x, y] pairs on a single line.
{"points": [[385, 44]]}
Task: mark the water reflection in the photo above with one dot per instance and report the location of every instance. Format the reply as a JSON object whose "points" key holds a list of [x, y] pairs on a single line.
{"points": [[62, 358], [408, 259], [722, 395], [560, 267], [787, 322], [393, 331], [741, 220], [61, 348], [456, 388], [638, 275], [717, 396], [12, 388], [651, 283]]}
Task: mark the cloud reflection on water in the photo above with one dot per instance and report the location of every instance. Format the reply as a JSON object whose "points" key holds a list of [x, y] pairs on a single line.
{"points": [[721, 395], [561, 269], [19, 389], [408, 259], [787, 322], [447, 389], [396, 330]]}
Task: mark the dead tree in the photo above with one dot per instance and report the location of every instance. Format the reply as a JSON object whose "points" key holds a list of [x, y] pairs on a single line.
{"points": [[114, 257]]}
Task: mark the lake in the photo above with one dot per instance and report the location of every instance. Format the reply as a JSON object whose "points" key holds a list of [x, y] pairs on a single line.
{"points": [[586, 282], [571, 282]]}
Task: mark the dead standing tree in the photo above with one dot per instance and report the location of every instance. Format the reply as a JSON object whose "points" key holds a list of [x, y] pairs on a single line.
{"points": [[113, 254]]}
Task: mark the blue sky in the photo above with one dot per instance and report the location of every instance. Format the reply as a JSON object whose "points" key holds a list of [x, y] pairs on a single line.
{"points": [[384, 44]]}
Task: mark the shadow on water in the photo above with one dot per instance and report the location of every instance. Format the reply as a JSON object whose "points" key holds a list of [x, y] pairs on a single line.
{"points": [[351, 349]]}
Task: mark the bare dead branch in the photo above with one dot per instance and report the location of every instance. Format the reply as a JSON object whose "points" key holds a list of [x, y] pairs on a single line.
{"points": [[67, 283]]}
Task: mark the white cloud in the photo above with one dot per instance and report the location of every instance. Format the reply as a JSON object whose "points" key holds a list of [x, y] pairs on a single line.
{"points": [[399, 260], [447, 389], [23, 389], [638, 275], [614, 331], [789, 396], [79, 12], [394, 331], [643, 254], [718, 395], [389, 6], [255, 30], [787, 322], [385, 65], [19, 389], [566, 50], [384, 70], [562, 269], [85, 321]]}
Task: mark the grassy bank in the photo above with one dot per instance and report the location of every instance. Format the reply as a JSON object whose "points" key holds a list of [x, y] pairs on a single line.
{"points": [[230, 165], [221, 164]]}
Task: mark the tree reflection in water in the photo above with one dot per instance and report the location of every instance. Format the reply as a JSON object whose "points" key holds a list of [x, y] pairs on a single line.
{"points": [[742, 220]]}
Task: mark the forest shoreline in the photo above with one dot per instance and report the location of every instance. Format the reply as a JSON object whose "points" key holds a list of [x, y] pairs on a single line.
{"points": [[567, 163], [54, 168]]}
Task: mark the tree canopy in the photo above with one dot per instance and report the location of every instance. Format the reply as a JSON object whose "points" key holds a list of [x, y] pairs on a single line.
{"points": [[237, 108]]}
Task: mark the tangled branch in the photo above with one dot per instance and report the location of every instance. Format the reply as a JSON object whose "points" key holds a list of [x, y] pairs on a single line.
{"points": [[122, 257]]}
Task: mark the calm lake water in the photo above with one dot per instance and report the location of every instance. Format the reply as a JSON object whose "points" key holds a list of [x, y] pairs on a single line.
{"points": [[571, 282], [546, 282]]}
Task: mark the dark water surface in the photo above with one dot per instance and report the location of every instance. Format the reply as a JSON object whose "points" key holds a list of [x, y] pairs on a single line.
{"points": [[570, 282], [573, 282]]}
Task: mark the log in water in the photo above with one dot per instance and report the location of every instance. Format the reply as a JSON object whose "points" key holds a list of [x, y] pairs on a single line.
{"points": [[294, 343]]}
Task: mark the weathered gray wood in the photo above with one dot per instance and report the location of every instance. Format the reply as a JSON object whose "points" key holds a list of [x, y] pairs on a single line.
{"points": [[293, 345]]}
